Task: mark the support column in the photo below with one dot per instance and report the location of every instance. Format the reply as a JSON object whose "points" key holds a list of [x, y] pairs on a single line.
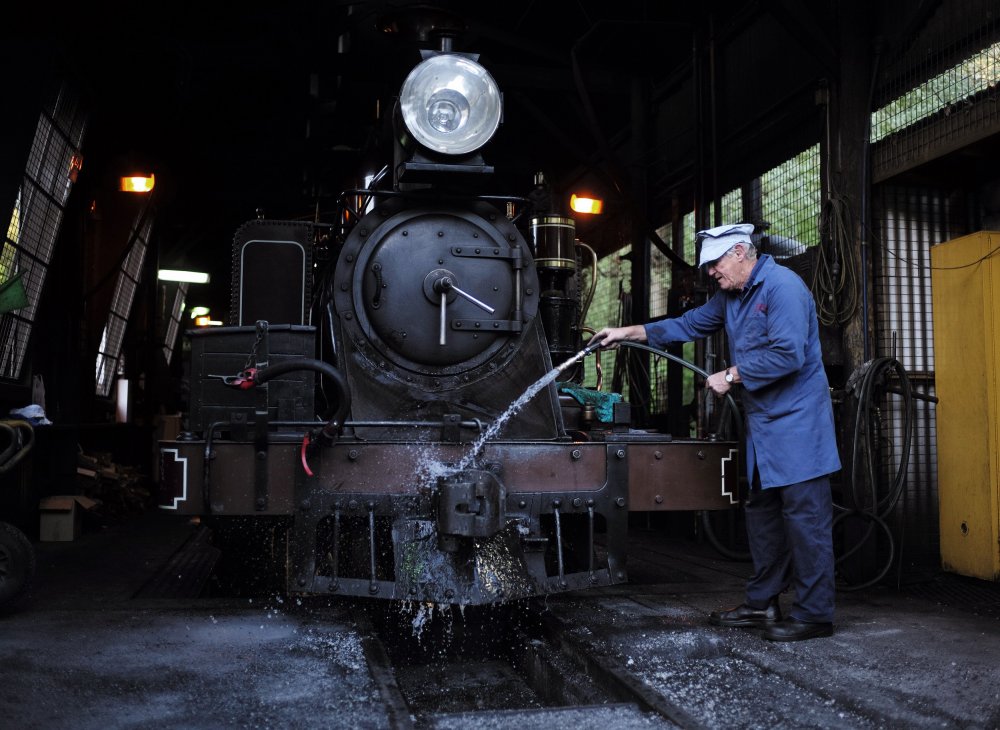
{"points": [[849, 162], [639, 235], [849, 178]]}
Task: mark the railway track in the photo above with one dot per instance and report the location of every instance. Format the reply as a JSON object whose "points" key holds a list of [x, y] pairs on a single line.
{"points": [[506, 666], [438, 666], [624, 657]]}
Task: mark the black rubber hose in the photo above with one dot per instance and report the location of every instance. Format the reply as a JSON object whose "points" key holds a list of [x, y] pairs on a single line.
{"points": [[689, 366], [732, 408], [334, 424], [879, 508], [22, 438], [869, 505]]}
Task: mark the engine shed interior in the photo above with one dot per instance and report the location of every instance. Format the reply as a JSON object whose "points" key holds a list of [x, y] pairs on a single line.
{"points": [[855, 136]]}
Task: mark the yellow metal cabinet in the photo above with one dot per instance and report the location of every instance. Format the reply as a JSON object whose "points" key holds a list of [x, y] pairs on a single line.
{"points": [[965, 287]]}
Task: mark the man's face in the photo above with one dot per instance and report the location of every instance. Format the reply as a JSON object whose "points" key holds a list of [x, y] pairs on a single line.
{"points": [[727, 270]]}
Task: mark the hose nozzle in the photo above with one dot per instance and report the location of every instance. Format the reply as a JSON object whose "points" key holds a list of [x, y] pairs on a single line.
{"points": [[591, 347]]}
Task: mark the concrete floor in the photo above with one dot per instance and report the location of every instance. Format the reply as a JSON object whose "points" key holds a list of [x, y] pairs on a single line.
{"points": [[83, 651], [895, 659]]}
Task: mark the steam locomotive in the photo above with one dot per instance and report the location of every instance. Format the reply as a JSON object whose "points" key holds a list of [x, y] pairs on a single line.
{"points": [[398, 394]]}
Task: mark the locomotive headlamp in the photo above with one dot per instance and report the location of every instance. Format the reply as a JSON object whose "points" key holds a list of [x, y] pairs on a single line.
{"points": [[450, 104]]}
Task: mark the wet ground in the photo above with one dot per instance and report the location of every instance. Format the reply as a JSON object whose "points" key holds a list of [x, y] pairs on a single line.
{"points": [[93, 647]]}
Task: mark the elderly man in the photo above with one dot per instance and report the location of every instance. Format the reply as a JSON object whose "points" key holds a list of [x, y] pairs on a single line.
{"points": [[791, 449]]}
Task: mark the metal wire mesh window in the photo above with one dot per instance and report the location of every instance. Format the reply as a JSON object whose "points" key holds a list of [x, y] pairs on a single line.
{"points": [[790, 200], [660, 283], [731, 207], [943, 94], [609, 308], [129, 276], [790, 193], [53, 163], [174, 323]]}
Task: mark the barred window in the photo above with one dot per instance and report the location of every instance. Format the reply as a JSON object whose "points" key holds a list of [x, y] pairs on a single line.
{"points": [[129, 276], [790, 196], [943, 99], [51, 170], [609, 308], [174, 322], [943, 93]]}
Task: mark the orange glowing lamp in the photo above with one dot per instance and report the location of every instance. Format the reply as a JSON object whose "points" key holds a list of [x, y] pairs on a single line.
{"points": [[580, 204], [138, 183]]}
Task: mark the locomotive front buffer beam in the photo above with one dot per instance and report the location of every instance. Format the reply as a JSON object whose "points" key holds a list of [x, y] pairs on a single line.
{"points": [[408, 521]]}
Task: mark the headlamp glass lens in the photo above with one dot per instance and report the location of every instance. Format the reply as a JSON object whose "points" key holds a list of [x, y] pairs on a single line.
{"points": [[450, 104], [447, 111]]}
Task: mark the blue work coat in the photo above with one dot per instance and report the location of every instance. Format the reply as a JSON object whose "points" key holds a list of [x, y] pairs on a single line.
{"points": [[774, 342]]}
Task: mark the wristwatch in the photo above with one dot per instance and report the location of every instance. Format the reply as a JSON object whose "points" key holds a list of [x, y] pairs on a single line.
{"points": [[729, 376]]}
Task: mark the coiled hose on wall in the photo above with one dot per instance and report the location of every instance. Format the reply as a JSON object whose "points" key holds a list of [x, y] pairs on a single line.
{"points": [[868, 501]]}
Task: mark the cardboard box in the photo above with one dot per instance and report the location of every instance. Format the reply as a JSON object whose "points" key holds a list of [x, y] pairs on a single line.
{"points": [[61, 517]]}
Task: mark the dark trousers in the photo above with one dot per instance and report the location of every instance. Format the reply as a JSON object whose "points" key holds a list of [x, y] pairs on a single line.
{"points": [[791, 542]]}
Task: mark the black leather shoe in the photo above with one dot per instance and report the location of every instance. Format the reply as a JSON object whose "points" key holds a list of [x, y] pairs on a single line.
{"points": [[744, 615], [794, 630]]}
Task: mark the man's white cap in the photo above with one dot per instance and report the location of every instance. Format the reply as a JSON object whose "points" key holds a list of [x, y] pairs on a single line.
{"points": [[716, 241]]}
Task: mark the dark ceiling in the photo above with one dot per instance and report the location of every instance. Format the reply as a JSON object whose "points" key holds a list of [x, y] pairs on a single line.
{"points": [[279, 107]]}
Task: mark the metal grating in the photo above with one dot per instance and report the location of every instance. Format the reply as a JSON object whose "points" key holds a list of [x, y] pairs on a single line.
{"points": [[953, 91], [790, 201], [966, 594], [730, 207], [942, 96], [129, 277], [943, 99], [50, 172], [174, 323], [609, 308], [661, 281], [908, 221]]}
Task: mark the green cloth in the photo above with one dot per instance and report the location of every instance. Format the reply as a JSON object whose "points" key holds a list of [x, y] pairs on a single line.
{"points": [[603, 403]]}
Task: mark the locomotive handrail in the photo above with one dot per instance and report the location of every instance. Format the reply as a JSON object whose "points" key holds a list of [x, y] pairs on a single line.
{"points": [[438, 196]]}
